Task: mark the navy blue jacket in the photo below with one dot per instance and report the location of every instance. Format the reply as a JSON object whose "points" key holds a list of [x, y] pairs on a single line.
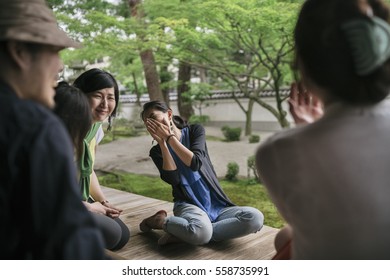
{"points": [[41, 213]]}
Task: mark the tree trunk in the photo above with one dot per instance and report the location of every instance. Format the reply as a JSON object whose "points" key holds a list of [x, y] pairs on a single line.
{"points": [[147, 58], [248, 119], [183, 103], [202, 75], [284, 123], [136, 90], [151, 76], [165, 78]]}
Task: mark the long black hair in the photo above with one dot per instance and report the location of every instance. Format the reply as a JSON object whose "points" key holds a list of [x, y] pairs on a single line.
{"points": [[162, 107], [72, 107], [97, 79]]}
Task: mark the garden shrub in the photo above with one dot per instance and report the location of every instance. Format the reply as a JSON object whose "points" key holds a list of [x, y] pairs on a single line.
{"points": [[232, 171], [254, 138], [231, 133]]}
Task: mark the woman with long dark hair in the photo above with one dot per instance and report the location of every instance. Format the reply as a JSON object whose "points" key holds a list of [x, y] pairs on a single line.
{"points": [[202, 211], [72, 107], [102, 91]]}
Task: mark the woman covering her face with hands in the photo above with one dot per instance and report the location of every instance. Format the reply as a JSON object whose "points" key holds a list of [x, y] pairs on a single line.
{"points": [[202, 211]]}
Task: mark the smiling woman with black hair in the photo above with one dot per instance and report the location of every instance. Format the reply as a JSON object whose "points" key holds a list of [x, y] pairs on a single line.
{"points": [[102, 91]]}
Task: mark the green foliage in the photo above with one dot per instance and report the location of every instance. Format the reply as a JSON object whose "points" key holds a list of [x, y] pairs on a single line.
{"points": [[144, 185], [244, 192], [245, 45], [214, 138], [198, 95], [232, 171], [226, 36], [231, 133], [254, 138], [196, 119], [106, 30], [121, 128], [241, 192]]}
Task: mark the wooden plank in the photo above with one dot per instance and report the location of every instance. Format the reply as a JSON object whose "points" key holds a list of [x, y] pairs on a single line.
{"points": [[143, 246]]}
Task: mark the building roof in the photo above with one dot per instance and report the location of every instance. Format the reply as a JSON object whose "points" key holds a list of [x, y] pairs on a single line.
{"points": [[215, 94]]}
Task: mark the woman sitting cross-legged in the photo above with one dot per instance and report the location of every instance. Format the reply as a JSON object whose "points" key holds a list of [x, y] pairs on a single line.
{"points": [[202, 211]]}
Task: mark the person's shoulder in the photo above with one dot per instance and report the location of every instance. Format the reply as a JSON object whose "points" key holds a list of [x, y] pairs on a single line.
{"points": [[196, 128], [283, 134], [284, 137], [33, 114], [38, 121]]}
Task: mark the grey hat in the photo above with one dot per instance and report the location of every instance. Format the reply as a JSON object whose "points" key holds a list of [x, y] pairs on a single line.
{"points": [[31, 21]]}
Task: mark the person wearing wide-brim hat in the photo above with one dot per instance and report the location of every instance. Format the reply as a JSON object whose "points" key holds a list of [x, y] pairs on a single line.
{"points": [[41, 214]]}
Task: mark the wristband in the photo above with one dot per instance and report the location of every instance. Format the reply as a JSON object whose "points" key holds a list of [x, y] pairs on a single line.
{"points": [[169, 137]]}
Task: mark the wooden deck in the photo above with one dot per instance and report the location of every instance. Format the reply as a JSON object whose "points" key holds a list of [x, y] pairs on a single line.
{"points": [[143, 246]]}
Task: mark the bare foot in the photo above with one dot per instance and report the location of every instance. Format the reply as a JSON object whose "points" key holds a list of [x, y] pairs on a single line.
{"points": [[153, 222]]}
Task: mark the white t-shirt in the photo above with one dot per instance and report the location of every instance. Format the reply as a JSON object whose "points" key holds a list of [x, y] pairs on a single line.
{"points": [[99, 135]]}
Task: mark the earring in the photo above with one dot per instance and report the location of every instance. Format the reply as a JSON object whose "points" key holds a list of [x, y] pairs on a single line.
{"points": [[171, 126]]}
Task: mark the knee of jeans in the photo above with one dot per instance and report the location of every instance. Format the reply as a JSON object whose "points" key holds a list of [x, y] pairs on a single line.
{"points": [[253, 218], [199, 234]]}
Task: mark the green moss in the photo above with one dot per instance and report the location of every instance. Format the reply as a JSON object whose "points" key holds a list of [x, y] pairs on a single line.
{"points": [[148, 186]]}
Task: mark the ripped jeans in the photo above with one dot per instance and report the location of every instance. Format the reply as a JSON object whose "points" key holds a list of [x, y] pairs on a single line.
{"points": [[192, 225]]}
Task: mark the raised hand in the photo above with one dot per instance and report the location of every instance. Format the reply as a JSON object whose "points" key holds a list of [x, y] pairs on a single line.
{"points": [[159, 131], [304, 107]]}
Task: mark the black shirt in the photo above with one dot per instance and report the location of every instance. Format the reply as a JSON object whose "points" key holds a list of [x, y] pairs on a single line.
{"points": [[200, 162], [41, 213]]}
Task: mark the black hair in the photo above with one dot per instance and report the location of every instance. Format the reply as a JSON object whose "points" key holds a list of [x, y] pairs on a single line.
{"points": [[323, 53], [72, 107], [97, 79], [162, 107]]}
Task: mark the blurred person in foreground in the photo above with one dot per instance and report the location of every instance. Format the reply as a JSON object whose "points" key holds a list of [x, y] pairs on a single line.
{"points": [[41, 214], [329, 176]]}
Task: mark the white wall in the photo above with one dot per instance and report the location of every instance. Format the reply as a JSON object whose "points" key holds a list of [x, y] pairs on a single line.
{"points": [[222, 112]]}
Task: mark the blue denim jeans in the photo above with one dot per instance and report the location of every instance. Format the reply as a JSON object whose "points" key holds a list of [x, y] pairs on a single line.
{"points": [[192, 225]]}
